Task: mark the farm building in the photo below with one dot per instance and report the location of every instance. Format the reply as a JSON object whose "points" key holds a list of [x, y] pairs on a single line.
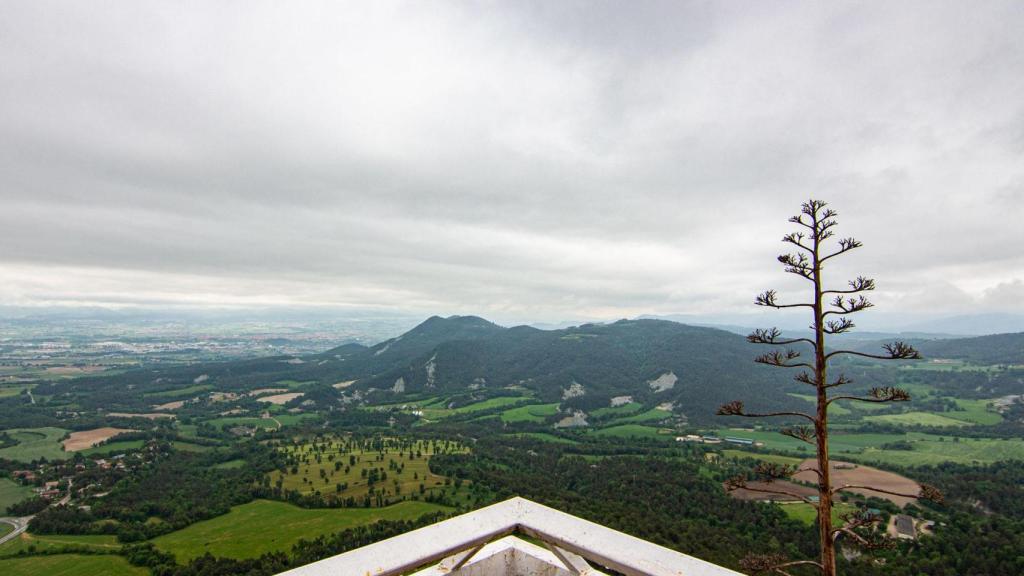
{"points": [[743, 441]]}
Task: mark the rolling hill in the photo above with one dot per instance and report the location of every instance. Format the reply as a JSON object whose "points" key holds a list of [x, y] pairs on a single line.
{"points": [[654, 361]]}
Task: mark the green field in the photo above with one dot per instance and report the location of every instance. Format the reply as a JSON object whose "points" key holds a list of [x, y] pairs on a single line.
{"points": [[835, 408], [35, 443], [265, 423], [8, 390], [189, 447], [429, 401], [266, 526], [929, 450], [774, 458], [5, 528], [622, 410], [230, 464], [976, 411], [119, 446], [545, 437], [11, 493], [631, 431], [324, 465], [294, 383], [867, 448], [530, 413], [917, 419], [187, 430], [807, 514], [432, 412], [652, 415], [70, 565], [46, 542]]}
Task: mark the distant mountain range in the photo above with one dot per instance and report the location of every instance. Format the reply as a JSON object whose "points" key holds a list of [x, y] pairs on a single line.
{"points": [[652, 362]]}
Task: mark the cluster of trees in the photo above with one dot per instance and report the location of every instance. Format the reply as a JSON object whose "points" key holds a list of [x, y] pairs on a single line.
{"points": [[179, 488], [671, 502], [981, 529]]}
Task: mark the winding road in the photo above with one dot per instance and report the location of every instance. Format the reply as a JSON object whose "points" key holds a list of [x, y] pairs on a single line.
{"points": [[20, 525]]}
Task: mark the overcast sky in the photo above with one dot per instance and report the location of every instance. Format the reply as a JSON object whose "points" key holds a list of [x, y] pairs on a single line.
{"points": [[518, 160]]}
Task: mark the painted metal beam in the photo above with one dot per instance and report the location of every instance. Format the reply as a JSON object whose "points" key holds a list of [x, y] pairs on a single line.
{"points": [[428, 545]]}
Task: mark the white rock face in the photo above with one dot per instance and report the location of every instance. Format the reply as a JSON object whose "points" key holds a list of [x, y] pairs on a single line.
{"points": [[621, 400], [478, 383], [399, 385], [384, 349], [431, 368], [574, 390], [666, 381], [667, 406], [576, 420], [199, 379]]}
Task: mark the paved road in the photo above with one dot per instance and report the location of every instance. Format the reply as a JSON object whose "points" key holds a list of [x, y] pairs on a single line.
{"points": [[20, 525]]}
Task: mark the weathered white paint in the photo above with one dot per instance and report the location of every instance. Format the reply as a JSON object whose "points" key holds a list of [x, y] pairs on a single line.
{"points": [[429, 545], [508, 556]]}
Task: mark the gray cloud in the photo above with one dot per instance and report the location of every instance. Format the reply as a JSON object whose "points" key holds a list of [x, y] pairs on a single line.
{"points": [[528, 160]]}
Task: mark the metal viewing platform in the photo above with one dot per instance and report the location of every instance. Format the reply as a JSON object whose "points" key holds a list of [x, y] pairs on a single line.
{"points": [[483, 543]]}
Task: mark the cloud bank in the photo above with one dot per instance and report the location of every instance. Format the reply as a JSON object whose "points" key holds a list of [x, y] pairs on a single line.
{"points": [[530, 160]]}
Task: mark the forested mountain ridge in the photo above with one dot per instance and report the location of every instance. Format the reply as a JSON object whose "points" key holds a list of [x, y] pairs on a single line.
{"points": [[992, 349], [584, 367], [652, 361], [982, 350]]}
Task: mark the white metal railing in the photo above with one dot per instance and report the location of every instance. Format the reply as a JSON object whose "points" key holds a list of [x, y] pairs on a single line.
{"points": [[566, 537]]}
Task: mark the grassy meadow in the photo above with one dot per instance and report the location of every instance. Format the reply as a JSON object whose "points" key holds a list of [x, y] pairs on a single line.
{"points": [[11, 493], [868, 448], [530, 413], [632, 431], [70, 565], [266, 526], [807, 514], [49, 542], [916, 419], [35, 443], [393, 467]]}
